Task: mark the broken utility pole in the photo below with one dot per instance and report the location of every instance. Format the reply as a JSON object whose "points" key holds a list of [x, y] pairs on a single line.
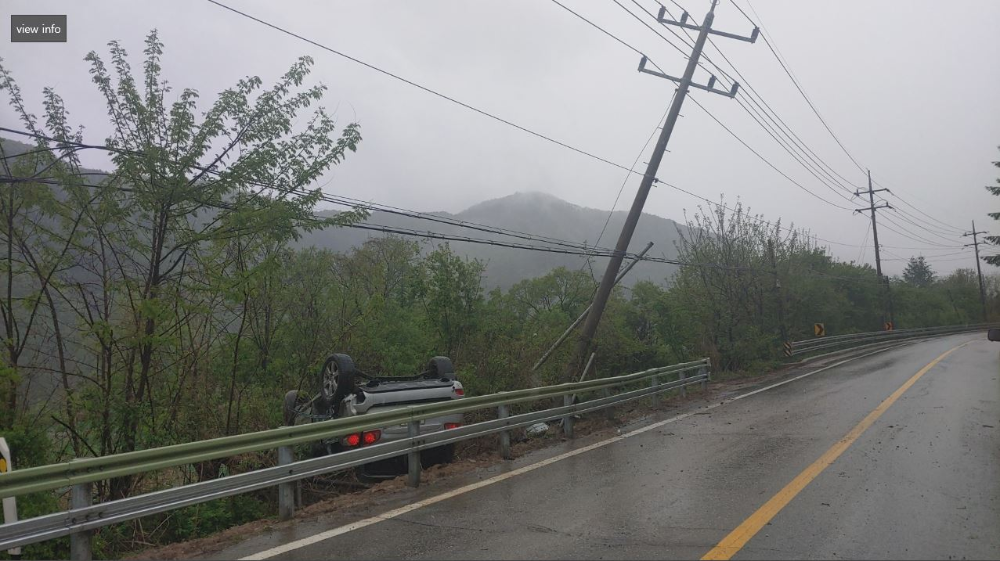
{"points": [[621, 248], [583, 316]]}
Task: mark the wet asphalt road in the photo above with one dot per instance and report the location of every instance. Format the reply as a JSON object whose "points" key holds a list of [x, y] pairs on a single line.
{"points": [[922, 482]]}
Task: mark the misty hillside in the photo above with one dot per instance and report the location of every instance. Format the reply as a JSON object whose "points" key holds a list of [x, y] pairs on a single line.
{"points": [[537, 213]]}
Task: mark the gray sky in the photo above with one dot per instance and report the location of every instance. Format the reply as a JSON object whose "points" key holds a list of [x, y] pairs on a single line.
{"points": [[910, 88]]}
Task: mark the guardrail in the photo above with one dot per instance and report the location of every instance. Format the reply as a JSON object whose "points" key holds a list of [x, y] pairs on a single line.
{"points": [[80, 474], [793, 348]]}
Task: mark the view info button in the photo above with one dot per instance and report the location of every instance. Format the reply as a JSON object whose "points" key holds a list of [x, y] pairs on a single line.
{"points": [[37, 29]]}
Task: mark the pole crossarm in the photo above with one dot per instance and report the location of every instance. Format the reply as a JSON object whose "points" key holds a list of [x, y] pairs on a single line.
{"points": [[859, 193], [871, 208], [710, 87], [684, 24]]}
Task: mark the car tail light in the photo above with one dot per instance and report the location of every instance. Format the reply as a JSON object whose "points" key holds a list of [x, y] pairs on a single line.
{"points": [[448, 426], [459, 391], [371, 437], [352, 439]]}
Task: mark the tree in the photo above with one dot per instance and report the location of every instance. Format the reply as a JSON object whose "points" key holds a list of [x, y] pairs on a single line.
{"points": [[166, 264], [918, 272], [995, 240]]}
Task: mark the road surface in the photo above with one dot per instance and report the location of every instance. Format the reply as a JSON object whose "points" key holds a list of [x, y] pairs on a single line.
{"points": [[888, 456]]}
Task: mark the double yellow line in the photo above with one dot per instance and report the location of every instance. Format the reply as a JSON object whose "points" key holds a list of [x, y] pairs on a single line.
{"points": [[739, 537]]}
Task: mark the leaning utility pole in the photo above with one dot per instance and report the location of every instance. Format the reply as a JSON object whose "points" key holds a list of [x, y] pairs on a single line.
{"points": [[878, 257], [979, 270], [621, 248]]}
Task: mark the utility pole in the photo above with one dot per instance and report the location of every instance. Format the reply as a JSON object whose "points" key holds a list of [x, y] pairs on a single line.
{"points": [[979, 269], [878, 256], [621, 248]]}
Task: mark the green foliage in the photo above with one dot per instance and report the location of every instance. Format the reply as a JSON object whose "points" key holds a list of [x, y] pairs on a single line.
{"points": [[30, 446], [995, 240], [918, 272]]}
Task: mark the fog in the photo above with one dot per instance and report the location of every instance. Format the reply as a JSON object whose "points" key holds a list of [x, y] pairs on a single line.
{"points": [[909, 88]]}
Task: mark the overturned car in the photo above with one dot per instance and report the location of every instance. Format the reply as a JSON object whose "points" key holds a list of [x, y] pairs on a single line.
{"points": [[346, 391]]}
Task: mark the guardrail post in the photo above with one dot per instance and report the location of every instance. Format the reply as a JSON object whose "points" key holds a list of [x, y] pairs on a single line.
{"points": [[502, 413], [609, 410], [80, 496], [706, 372], [413, 457], [682, 375], [286, 491], [567, 421]]}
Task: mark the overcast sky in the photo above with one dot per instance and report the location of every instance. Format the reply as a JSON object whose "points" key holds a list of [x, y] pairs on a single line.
{"points": [[910, 88]]}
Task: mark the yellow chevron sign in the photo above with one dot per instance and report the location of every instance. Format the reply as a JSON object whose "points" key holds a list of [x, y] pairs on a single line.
{"points": [[819, 329]]}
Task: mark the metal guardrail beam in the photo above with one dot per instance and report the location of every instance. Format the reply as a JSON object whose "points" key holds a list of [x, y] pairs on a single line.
{"points": [[113, 512], [821, 343], [86, 470], [81, 473]]}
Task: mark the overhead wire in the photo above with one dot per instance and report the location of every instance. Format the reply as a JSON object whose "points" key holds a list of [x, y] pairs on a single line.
{"points": [[418, 86], [908, 233], [787, 131], [864, 242], [768, 40], [766, 111], [764, 35], [590, 252], [751, 114], [617, 39]]}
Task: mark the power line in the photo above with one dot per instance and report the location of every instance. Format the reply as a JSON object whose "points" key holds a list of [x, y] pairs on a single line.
{"points": [[765, 160], [606, 32], [764, 34], [864, 243], [421, 87], [942, 223], [780, 143], [910, 234], [649, 27], [628, 175], [922, 223], [910, 221], [748, 92], [801, 145], [340, 199], [776, 52]]}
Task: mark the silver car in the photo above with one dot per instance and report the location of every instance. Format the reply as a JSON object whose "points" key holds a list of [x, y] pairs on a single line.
{"points": [[346, 391]]}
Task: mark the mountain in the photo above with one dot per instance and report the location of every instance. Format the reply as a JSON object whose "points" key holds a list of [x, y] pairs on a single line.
{"points": [[533, 213], [540, 215]]}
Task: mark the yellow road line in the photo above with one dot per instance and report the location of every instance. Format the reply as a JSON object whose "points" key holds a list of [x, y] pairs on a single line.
{"points": [[739, 537]]}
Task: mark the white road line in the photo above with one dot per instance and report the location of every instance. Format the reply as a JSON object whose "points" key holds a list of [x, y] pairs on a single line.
{"points": [[316, 538]]}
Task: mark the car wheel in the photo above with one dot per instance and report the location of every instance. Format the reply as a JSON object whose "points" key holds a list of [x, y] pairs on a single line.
{"points": [[294, 401], [441, 368], [336, 381]]}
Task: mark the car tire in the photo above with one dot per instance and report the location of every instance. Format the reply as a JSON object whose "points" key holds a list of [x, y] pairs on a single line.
{"points": [[336, 381], [289, 411], [441, 368]]}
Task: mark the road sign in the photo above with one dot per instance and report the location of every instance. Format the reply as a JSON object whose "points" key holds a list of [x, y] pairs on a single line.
{"points": [[889, 326], [10, 503], [788, 348], [819, 329]]}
